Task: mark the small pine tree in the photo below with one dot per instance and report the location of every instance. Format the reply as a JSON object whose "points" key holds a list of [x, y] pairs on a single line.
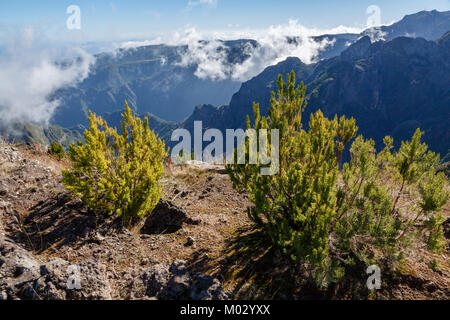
{"points": [[118, 173], [57, 150], [326, 218], [371, 225], [296, 207]]}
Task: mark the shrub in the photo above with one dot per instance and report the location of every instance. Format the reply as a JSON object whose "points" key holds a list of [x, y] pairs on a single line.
{"points": [[324, 217], [118, 173], [57, 150]]}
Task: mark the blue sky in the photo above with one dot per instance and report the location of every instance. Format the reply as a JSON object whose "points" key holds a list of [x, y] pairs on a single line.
{"points": [[139, 19]]}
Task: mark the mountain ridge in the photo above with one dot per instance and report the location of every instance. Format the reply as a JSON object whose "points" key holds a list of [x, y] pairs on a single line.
{"points": [[370, 81], [155, 78], [139, 76]]}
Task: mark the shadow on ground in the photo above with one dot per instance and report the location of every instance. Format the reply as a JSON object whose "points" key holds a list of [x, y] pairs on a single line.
{"points": [[258, 273], [61, 221]]}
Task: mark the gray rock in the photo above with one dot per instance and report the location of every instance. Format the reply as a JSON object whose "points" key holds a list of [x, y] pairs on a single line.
{"points": [[156, 278], [205, 287], [175, 282], [18, 269], [14, 260], [177, 288], [61, 280], [23, 277], [178, 267], [166, 217]]}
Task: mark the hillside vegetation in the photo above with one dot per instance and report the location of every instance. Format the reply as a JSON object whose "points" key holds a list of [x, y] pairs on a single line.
{"points": [[326, 219], [308, 231]]}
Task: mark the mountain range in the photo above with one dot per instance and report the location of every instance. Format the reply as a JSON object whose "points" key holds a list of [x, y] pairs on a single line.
{"points": [[152, 79], [390, 87], [392, 79], [164, 80]]}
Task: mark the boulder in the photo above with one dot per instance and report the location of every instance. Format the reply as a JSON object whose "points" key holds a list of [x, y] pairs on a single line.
{"points": [[175, 282], [156, 278], [18, 269], [166, 218], [61, 280], [205, 287], [22, 276], [447, 228]]}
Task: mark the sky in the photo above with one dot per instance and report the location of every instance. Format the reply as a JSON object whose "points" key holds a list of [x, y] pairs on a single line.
{"points": [[120, 20]]}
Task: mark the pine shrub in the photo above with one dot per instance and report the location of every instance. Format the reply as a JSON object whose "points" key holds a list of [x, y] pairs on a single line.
{"points": [[118, 173], [324, 215], [57, 150]]}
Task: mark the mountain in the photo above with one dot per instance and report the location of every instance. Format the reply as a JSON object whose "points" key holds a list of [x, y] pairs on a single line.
{"points": [[429, 25], [43, 135], [152, 79], [158, 82], [390, 87], [163, 81]]}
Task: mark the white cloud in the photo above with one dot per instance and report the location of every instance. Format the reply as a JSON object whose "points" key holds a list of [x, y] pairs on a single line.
{"points": [[30, 74], [210, 58], [207, 53], [375, 34]]}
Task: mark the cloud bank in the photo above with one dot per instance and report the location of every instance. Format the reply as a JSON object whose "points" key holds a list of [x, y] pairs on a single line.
{"points": [[275, 44], [31, 71]]}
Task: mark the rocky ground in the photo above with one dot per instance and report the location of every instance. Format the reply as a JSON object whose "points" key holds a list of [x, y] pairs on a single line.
{"points": [[191, 247]]}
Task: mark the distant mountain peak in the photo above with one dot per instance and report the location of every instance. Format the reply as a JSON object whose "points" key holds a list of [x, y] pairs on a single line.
{"points": [[429, 25]]}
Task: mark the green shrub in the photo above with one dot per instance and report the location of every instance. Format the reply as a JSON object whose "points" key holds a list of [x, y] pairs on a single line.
{"points": [[118, 173], [324, 217], [57, 150], [434, 265], [445, 168]]}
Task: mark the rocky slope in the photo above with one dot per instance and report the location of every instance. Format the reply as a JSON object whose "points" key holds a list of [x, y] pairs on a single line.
{"points": [[53, 247], [429, 25], [47, 238], [33, 133]]}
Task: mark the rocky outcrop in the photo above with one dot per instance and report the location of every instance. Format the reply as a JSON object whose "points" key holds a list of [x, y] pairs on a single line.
{"points": [[176, 282], [166, 218], [22, 276], [25, 277], [446, 226]]}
